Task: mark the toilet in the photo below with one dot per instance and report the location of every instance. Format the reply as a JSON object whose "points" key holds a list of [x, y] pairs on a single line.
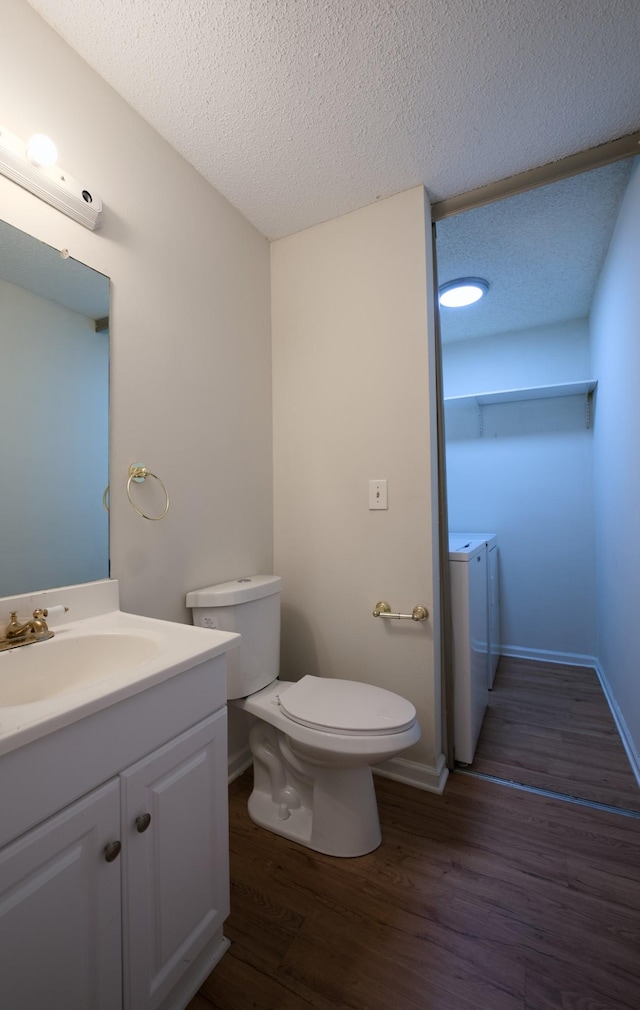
{"points": [[314, 740]]}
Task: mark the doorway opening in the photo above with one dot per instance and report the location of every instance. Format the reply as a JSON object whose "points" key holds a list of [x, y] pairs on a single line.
{"points": [[537, 397]]}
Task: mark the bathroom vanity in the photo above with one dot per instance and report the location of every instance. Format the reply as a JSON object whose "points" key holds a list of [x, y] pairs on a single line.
{"points": [[114, 879]]}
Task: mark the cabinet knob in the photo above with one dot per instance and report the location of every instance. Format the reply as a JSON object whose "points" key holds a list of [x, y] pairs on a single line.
{"points": [[112, 851], [143, 822]]}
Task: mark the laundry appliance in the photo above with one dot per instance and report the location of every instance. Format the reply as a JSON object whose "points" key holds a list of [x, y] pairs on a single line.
{"points": [[493, 597], [468, 559]]}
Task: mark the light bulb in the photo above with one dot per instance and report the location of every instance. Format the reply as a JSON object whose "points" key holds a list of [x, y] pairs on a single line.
{"points": [[41, 151], [464, 291]]}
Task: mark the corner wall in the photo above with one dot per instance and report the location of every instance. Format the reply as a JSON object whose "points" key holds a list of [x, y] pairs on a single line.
{"points": [[615, 337], [353, 401]]}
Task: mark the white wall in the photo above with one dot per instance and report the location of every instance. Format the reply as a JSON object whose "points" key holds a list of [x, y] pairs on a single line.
{"points": [[353, 400], [529, 479], [538, 356], [190, 341], [615, 335], [55, 370]]}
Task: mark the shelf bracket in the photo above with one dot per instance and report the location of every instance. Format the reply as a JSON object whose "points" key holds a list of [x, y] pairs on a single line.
{"points": [[480, 421], [587, 408]]}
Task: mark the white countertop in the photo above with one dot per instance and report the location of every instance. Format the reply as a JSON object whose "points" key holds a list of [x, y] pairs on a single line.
{"points": [[176, 648]]}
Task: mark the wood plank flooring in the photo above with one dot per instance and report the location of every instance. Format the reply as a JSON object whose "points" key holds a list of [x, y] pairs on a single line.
{"points": [[550, 726], [485, 898]]}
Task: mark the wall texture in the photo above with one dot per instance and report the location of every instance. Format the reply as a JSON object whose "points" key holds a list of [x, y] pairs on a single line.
{"points": [[353, 400], [190, 341], [615, 330], [529, 479]]}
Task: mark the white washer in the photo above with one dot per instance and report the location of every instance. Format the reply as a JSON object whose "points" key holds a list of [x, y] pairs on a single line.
{"points": [[493, 596], [469, 613]]}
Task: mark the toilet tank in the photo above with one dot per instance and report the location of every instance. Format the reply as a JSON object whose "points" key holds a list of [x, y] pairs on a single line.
{"points": [[250, 607]]}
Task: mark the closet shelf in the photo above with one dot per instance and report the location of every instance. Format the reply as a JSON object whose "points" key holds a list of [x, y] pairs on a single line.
{"points": [[528, 393]]}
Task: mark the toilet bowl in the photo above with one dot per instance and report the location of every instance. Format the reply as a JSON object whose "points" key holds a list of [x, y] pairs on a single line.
{"points": [[313, 741], [313, 748]]}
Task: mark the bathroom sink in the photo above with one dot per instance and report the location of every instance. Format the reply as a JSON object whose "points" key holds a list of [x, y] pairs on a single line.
{"points": [[99, 660], [67, 663]]}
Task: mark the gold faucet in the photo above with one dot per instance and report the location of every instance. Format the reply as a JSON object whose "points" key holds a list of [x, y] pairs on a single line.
{"points": [[17, 634]]}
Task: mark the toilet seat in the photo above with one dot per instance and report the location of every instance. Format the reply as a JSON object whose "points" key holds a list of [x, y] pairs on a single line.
{"points": [[346, 707]]}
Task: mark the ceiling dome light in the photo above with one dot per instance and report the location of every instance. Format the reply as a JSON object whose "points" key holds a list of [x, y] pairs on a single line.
{"points": [[41, 151], [463, 291]]}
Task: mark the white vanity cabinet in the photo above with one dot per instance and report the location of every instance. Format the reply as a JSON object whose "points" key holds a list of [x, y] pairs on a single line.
{"points": [[142, 931], [60, 936], [175, 861]]}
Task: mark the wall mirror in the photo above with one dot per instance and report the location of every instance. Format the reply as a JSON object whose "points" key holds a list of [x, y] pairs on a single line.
{"points": [[54, 414]]}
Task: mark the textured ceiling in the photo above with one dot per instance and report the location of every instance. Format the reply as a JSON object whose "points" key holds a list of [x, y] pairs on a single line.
{"points": [[541, 252], [301, 110]]}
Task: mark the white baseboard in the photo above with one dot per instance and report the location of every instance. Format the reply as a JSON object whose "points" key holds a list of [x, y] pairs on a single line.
{"points": [[548, 656], [627, 740], [412, 773], [239, 761]]}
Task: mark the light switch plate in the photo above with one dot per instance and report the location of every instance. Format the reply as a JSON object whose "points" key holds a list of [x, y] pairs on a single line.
{"points": [[378, 495]]}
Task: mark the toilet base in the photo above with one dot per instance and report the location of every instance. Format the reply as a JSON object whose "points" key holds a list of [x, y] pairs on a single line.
{"points": [[329, 809]]}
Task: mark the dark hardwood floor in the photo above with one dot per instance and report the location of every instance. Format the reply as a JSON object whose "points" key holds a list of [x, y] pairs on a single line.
{"points": [[485, 898], [550, 726]]}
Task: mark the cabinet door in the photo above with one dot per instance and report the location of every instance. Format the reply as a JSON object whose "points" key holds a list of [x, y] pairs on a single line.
{"points": [[60, 935], [176, 869]]}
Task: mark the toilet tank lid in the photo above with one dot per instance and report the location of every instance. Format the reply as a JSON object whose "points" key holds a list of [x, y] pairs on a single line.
{"points": [[228, 594]]}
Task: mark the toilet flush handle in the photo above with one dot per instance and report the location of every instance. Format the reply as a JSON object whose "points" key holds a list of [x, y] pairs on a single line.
{"points": [[383, 609]]}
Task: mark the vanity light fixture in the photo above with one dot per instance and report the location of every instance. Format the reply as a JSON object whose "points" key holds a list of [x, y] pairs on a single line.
{"points": [[33, 166], [463, 291]]}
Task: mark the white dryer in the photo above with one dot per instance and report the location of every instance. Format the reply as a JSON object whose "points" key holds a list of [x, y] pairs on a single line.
{"points": [[493, 597], [469, 613]]}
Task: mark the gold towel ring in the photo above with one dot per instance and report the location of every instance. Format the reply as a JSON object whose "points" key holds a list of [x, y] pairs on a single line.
{"points": [[140, 473]]}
